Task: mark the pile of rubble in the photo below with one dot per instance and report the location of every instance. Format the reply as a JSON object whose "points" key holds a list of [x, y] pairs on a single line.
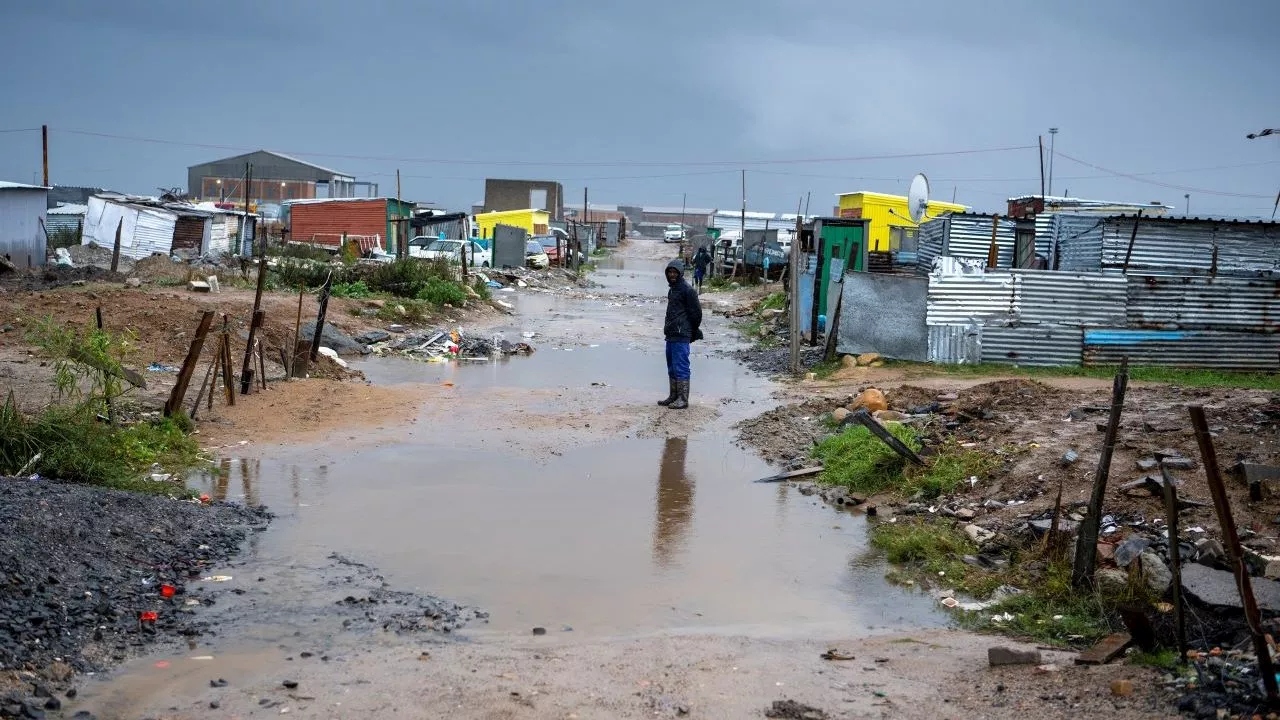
{"points": [[442, 345]]}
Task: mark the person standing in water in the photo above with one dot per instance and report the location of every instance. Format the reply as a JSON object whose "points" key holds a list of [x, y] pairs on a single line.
{"points": [[681, 327]]}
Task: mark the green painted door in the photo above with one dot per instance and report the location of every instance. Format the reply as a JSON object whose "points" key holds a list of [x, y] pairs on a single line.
{"points": [[844, 242]]}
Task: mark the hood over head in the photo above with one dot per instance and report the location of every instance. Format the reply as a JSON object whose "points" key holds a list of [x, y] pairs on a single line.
{"points": [[678, 266]]}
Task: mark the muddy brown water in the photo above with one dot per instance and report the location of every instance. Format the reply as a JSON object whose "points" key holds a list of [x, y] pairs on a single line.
{"points": [[615, 535]]}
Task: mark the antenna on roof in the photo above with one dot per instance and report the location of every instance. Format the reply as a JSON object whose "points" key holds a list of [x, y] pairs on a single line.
{"points": [[918, 198]]}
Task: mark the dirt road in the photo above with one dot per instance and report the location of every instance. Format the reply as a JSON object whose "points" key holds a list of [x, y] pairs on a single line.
{"points": [[552, 493]]}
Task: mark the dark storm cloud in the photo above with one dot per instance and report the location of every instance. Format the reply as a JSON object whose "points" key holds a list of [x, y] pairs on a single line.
{"points": [[1136, 87]]}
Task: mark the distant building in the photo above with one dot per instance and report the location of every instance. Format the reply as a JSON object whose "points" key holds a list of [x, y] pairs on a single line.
{"points": [[276, 178], [71, 195], [22, 214], [1031, 205], [503, 195], [149, 226], [369, 222]]}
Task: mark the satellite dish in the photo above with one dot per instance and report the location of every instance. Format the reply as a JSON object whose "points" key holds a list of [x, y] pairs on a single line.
{"points": [[918, 197]]}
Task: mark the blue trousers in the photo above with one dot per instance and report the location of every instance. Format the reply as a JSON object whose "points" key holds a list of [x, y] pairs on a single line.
{"points": [[677, 360]]}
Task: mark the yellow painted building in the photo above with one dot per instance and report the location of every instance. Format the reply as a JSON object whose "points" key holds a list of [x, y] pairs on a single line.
{"points": [[889, 227], [536, 222]]}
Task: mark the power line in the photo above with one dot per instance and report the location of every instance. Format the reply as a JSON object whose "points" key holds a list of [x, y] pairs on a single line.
{"points": [[18, 130], [555, 163], [1139, 178]]}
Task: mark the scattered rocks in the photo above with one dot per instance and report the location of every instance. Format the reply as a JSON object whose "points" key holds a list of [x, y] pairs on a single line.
{"points": [[1155, 572], [965, 514], [1069, 458], [978, 534], [1111, 581], [998, 656], [869, 358]]}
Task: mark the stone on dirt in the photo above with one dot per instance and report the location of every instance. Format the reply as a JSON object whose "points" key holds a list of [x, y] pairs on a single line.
{"points": [[868, 358], [1111, 581], [997, 656], [1069, 458], [848, 361], [792, 710], [133, 282], [1217, 588], [199, 286], [1121, 687], [978, 534], [885, 416], [1155, 571], [1210, 552], [373, 336], [839, 414], [871, 399], [334, 338], [965, 514]]}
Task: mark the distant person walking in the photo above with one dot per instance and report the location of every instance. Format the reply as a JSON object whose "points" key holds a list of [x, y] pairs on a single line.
{"points": [[682, 326], [701, 261]]}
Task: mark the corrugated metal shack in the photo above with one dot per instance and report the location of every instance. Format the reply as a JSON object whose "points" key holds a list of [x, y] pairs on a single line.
{"points": [[1192, 292], [22, 212], [154, 227]]}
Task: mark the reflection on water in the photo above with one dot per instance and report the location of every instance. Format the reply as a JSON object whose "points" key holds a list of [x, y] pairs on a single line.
{"points": [[674, 502]]}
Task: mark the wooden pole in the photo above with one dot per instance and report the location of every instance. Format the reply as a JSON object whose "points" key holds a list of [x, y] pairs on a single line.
{"points": [[1175, 562], [106, 389], [115, 251], [44, 144], [993, 252], [1235, 555], [195, 406], [402, 248], [217, 367], [262, 365], [189, 365], [1087, 540], [228, 375], [297, 331], [793, 290], [324, 307], [1133, 238], [1040, 139]]}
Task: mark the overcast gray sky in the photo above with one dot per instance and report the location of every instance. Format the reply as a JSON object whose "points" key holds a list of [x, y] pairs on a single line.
{"points": [[645, 101]]}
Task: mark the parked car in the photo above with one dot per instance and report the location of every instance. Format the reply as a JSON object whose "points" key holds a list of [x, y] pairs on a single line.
{"points": [[431, 248], [535, 256], [549, 246], [673, 233]]}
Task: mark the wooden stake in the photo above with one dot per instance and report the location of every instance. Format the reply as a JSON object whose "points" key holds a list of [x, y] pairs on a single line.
{"points": [[106, 390], [1175, 561], [324, 308], [297, 330], [217, 366], [228, 375], [1235, 554], [115, 252], [179, 392], [1087, 540], [195, 406]]}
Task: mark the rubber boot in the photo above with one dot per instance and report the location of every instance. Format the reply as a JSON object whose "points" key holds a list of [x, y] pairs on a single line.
{"points": [[682, 392], [675, 394]]}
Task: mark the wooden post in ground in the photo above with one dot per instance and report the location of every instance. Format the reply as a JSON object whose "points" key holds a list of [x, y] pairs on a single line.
{"points": [[1087, 540], [106, 384], [1235, 555], [246, 372], [195, 406], [1175, 562], [189, 365], [314, 355], [228, 375], [115, 252], [793, 291], [217, 366], [297, 330]]}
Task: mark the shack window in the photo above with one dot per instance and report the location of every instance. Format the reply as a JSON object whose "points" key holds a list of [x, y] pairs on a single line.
{"points": [[903, 238], [538, 199]]}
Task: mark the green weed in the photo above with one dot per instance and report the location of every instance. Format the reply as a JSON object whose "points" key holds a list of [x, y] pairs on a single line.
{"points": [[1166, 659], [482, 289], [439, 292], [357, 289], [948, 470], [302, 251], [862, 462], [776, 301], [75, 446], [410, 311]]}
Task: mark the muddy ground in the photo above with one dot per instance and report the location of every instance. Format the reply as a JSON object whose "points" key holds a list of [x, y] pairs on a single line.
{"points": [[531, 482]]}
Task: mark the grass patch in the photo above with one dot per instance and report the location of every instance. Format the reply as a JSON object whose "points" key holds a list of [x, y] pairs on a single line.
{"points": [[776, 301], [76, 447], [860, 461], [1165, 659], [1184, 377], [302, 251], [482, 289], [439, 291], [948, 470], [825, 369], [357, 290], [410, 311], [932, 551]]}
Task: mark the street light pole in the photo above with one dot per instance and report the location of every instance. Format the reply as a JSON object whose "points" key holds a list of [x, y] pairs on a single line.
{"points": [[1187, 197], [1053, 136]]}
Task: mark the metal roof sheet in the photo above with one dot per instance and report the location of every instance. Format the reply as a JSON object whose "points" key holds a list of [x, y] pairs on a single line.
{"points": [[7, 185], [68, 209]]}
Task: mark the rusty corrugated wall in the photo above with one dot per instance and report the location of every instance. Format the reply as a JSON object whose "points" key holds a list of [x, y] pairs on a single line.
{"points": [[326, 222]]}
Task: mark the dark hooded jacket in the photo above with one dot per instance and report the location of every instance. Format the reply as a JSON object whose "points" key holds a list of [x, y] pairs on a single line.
{"points": [[684, 311]]}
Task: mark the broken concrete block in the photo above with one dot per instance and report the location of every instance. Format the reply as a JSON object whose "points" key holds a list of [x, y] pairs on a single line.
{"points": [[1258, 478], [997, 656], [1148, 464], [1217, 588], [198, 286], [965, 514], [133, 282], [978, 534], [214, 285]]}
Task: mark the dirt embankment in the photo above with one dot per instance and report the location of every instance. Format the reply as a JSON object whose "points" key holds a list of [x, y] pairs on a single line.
{"points": [[1035, 424]]}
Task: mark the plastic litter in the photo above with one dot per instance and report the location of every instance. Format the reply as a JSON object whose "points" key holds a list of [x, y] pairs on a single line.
{"points": [[158, 367], [217, 578]]}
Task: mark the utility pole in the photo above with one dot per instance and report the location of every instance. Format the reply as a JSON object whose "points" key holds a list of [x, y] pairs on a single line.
{"points": [[1053, 137], [1187, 197], [1040, 139], [683, 198], [44, 143], [742, 228], [402, 248]]}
